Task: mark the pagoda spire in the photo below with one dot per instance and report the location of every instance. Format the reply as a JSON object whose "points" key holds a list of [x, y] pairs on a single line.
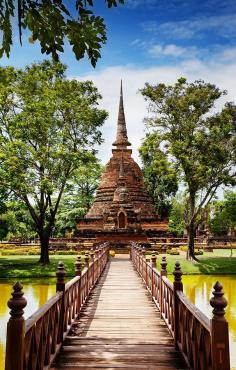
{"points": [[121, 134]]}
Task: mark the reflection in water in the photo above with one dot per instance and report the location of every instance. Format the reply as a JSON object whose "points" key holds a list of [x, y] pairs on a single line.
{"points": [[36, 293], [198, 289]]}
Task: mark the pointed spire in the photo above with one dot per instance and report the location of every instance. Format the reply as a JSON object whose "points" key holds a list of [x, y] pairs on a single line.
{"points": [[121, 134]]}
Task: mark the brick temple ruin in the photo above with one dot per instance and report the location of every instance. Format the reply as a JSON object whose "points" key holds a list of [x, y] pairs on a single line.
{"points": [[122, 210]]}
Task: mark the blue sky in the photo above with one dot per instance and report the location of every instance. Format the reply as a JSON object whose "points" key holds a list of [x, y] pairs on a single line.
{"points": [[155, 41]]}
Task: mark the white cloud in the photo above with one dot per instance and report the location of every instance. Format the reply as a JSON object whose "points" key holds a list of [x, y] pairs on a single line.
{"points": [[223, 25], [108, 82], [171, 50]]}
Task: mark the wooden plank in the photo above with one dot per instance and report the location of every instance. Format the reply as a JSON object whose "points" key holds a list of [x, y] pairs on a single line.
{"points": [[119, 328]]}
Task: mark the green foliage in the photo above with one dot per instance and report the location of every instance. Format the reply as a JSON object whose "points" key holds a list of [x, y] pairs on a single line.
{"points": [[48, 126], [201, 142], [160, 176], [52, 22], [176, 220], [17, 220], [198, 252], [224, 215], [78, 196], [172, 252]]}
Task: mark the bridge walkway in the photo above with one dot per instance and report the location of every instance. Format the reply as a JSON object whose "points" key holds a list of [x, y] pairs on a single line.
{"points": [[119, 327]]}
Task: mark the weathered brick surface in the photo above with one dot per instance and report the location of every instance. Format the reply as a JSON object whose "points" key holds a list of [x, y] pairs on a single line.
{"points": [[121, 199]]}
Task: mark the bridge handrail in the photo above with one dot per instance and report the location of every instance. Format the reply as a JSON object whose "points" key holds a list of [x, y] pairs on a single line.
{"points": [[203, 343], [34, 343]]}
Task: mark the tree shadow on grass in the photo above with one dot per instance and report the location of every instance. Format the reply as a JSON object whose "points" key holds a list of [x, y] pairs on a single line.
{"points": [[217, 265]]}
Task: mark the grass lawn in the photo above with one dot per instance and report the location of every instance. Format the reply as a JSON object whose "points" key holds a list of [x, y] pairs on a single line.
{"points": [[218, 262], [28, 266]]}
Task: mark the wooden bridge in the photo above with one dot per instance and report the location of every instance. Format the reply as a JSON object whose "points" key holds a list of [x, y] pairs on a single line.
{"points": [[118, 314]]}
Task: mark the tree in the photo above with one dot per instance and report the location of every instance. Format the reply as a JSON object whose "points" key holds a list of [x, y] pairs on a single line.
{"points": [[160, 176], [177, 216], [51, 22], [48, 126], [78, 196], [224, 214], [201, 142], [17, 220]]}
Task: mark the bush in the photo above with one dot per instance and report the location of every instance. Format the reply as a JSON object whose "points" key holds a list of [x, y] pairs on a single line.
{"points": [[198, 252], [7, 246], [173, 252], [183, 248], [66, 253], [14, 253], [112, 253]]}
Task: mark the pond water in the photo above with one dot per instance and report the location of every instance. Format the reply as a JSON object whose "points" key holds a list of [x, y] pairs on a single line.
{"points": [[198, 288], [36, 293]]}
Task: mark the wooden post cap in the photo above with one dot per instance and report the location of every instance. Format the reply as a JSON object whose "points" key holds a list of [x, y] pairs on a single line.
{"points": [[154, 259], [86, 257], [18, 302], [178, 285], [163, 264], [218, 302], [78, 265], [60, 274], [177, 272]]}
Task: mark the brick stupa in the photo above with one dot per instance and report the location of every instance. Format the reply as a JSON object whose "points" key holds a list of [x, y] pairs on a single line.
{"points": [[122, 210]]}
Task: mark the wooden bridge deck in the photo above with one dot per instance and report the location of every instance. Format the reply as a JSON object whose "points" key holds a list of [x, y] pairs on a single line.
{"points": [[119, 327]]}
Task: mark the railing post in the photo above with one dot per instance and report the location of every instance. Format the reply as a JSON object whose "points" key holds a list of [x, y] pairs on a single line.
{"points": [[16, 330], [143, 264], [163, 273], [178, 286], [92, 260], [154, 264], [86, 261], [219, 330], [60, 287], [78, 271]]}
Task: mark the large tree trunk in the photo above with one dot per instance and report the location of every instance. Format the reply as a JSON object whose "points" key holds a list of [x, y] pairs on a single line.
{"points": [[44, 244], [191, 229], [191, 236]]}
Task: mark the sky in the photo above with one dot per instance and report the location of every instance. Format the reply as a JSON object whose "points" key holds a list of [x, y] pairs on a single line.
{"points": [[151, 41]]}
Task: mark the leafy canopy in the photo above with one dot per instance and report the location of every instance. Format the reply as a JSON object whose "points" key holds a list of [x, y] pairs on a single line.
{"points": [[51, 22], [78, 196], [224, 214], [48, 126], [160, 175], [201, 142]]}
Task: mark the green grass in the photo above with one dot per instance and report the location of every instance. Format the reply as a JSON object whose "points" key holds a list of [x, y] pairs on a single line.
{"points": [[20, 267], [28, 266], [218, 262]]}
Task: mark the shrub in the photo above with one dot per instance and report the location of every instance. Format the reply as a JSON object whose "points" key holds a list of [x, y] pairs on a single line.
{"points": [[66, 252], [14, 253], [7, 246], [173, 252], [112, 253], [183, 248], [198, 252]]}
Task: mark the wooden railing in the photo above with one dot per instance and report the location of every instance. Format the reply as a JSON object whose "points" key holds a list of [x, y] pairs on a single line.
{"points": [[33, 344], [203, 343]]}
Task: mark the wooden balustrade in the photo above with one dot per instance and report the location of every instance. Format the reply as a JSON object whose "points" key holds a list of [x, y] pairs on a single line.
{"points": [[33, 344], [204, 343]]}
